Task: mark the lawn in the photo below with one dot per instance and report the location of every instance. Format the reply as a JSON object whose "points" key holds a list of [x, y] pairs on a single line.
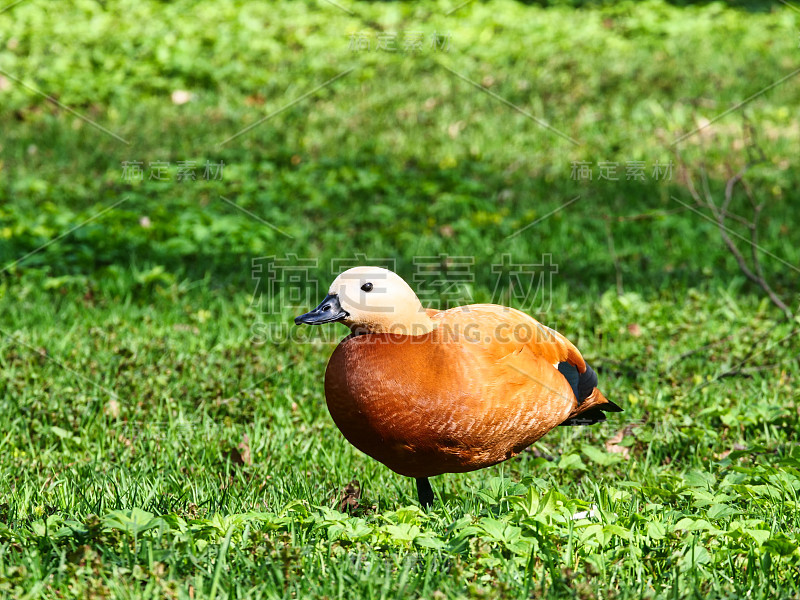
{"points": [[179, 179]]}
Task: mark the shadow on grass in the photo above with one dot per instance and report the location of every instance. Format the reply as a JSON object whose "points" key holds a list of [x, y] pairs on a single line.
{"points": [[744, 5], [628, 231]]}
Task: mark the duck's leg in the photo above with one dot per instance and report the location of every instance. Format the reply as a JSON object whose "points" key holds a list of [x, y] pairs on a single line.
{"points": [[424, 492]]}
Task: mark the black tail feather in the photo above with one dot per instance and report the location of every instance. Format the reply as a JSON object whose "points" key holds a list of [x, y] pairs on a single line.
{"points": [[582, 385], [593, 415], [587, 381]]}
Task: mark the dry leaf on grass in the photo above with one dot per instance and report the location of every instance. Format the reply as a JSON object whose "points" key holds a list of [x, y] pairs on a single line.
{"points": [[349, 497], [241, 454], [724, 454], [635, 329], [613, 444]]}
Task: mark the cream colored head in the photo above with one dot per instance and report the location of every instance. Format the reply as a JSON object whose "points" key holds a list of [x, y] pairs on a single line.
{"points": [[379, 301], [371, 300]]}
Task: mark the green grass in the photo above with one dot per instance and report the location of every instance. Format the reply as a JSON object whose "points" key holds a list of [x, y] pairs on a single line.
{"points": [[154, 442]]}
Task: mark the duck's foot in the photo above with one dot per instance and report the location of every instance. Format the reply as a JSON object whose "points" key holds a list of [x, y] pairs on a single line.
{"points": [[424, 492]]}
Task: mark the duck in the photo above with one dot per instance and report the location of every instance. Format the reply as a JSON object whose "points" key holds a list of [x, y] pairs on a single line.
{"points": [[428, 392]]}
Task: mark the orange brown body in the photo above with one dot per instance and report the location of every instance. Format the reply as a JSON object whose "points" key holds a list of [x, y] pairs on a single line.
{"points": [[462, 397]]}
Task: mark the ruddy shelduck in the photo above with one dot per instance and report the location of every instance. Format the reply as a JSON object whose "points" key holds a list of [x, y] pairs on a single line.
{"points": [[428, 392]]}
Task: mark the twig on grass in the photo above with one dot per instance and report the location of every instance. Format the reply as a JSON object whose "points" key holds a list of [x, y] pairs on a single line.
{"points": [[720, 214]]}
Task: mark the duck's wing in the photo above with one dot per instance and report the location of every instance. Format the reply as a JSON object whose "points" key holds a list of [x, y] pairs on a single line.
{"points": [[529, 384], [491, 408], [506, 327], [549, 359]]}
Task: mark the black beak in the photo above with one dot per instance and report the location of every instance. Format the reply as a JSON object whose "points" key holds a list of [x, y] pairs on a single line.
{"points": [[328, 311]]}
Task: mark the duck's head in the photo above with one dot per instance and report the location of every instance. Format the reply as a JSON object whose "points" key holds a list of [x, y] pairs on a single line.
{"points": [[371, 300]]}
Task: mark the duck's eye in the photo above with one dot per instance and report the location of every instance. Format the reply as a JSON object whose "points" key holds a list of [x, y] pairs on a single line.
{"points": [[367, 287]]}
